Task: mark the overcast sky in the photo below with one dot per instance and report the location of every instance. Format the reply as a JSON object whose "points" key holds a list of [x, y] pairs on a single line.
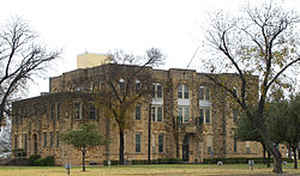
{"points": [[100, 26]]}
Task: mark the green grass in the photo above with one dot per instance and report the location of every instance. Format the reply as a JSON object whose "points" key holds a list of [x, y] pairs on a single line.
{"points": [[147, 170]]}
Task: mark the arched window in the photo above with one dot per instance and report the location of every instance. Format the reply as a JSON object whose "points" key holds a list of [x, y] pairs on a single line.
{"points": [[137, 85], [204, 93], [122, 85], [157, 91]]}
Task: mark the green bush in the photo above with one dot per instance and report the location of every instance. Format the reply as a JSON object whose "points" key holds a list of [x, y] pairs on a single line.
{"points": [[48, 161], [142, 162], [33, 158], [239, 160], [19, 153]]}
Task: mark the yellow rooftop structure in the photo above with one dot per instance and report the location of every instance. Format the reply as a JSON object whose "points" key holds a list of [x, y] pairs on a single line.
{"points": [[87, 60]]}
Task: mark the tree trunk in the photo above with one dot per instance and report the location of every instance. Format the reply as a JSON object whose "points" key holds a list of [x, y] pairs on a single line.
{"points": [[121, 148], [277, 168], [269, 159], [289, 152], [299, 150], [177, 144], [294, 148], [83, 160], [264, 153]]}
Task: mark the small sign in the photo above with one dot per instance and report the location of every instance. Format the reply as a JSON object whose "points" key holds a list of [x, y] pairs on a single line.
{"points": [[251, 164], [68, 166]]}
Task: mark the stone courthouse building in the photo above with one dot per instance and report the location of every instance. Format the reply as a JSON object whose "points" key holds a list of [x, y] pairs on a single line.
{"points": [[205, 115]]}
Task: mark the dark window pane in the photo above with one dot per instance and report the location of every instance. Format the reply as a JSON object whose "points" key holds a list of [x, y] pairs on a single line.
{"points": [[159, 114], [153, 90], [186, 114], [207, 116], [25, 143], [235, 115], [186, 92], [201, 93], [180, 91], [161, 143], [234, 144], [77, 110], [58, 106], [45, 139], [180, 115], [57, 139], [52, 111], [138, 142], [153, 114], [207, 93], [138, 112], [159, 91], [51, 139], [92, 112]]}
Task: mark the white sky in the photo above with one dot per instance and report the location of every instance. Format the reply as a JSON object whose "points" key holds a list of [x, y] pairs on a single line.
{"points": [[99, 26]]}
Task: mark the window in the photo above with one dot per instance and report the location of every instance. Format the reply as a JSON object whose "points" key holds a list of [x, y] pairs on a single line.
{"points": [[157, 113], [183, 92], [51, 139], [235, 114], [161, 143], [137, 85], [45, 139], [180, 115], [16, 141], [77, 110], [204, 116], [92, 111], [234, 144], [207, 116], [138, 142], [153, 113], [52, 111], [138, 112], [248, 150], [57, 139], [122, 85], [25, 143], [209, 150], [157, 91], [186, 114], [183, 114], [204, 93], [200, 119], [58, 106]]}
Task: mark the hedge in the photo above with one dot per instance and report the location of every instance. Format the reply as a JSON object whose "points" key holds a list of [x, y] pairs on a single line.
{"points": [[239, 160]]}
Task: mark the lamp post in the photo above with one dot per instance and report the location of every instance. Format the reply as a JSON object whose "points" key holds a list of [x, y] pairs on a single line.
{"points": [[149, 135]]}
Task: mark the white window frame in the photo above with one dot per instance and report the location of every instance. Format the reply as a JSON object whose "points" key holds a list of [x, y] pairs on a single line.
{"points": [[155, 113], [155, 85], [182, 111], [206, 96], [80, 110], [183, 88], [204, 110]]}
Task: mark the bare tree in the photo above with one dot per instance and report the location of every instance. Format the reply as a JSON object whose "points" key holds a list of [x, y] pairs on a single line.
{"points": [[126, 82], [21, 58], [259, 41]]}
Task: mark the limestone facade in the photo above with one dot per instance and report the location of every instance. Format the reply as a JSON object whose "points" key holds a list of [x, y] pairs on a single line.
{"points": [[205, 115]]}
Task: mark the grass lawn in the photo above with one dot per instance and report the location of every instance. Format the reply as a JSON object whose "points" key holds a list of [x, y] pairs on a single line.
{"points": [[147, 170]]}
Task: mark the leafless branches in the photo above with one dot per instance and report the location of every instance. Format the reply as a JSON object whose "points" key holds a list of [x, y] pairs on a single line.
{"points": [[259, 41], [21, 57]]}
